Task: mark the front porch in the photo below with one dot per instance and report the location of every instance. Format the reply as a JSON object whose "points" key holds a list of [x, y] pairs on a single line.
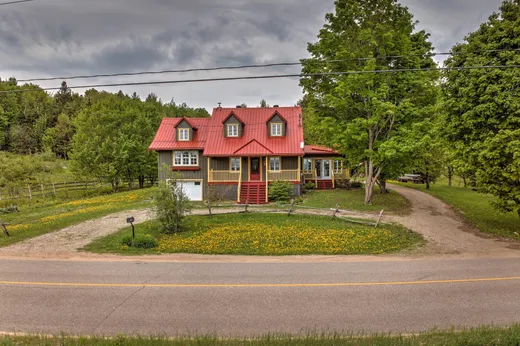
{"points": [[253, 174], [324, 172]]}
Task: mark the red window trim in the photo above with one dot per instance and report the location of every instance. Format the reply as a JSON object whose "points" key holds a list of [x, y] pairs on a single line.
{"points": [[185, 168]]}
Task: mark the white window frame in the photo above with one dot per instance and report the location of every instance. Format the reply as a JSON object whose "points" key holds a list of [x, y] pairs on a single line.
{"points": [[186, 158], [275, 164], [234, 167], [279, 131], [232, 130], [184, 135], [310, 165], [338, 165]]}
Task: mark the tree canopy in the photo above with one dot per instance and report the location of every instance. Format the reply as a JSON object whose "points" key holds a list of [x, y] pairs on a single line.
{"points": [[366, 115], [483, 106]]}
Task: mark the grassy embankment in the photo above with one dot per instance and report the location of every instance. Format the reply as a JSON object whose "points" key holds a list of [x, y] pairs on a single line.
{"points": [[32, 221], [478, 336], [264, 234], [476, 209], [355, 200]]}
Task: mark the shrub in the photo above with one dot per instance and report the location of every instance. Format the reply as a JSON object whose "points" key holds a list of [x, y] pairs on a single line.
{"points": [[140, 241], [280, 191], [171, 206], [309, 186], [356, 185]]}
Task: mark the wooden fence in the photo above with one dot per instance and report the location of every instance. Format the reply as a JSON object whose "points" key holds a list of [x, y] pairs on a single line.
{"points": [[49, 190]]}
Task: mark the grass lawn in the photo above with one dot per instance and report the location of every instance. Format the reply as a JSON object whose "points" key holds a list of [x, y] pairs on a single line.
{"points": [[355, 200], [265, 234], [478, 336], [476, 208], [33, 221]]}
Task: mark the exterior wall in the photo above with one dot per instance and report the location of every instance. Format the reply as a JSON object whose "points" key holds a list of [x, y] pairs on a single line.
{"points": [[277, 119], [245, 169], [166, 164], [232, 121], [184, 125], [219, 163], [297, 190], [290, 163]]}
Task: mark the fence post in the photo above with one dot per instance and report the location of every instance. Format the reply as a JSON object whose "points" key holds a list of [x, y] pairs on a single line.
{"points": [[0, 195], [291, 207], [379, 218], [54, 189], [75, 185], [247, 205], [30, 194], [335, 211], [4, 227], [43, 191]]}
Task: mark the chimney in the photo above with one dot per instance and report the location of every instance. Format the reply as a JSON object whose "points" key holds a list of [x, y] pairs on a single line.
{"points": [[220, 105], [239, 106], [276, 106]]}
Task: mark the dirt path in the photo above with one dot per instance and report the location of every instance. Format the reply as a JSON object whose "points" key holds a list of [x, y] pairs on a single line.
{"points": [[445, 231]]}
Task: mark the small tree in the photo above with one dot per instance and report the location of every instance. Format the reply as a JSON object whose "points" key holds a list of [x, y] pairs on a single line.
{"points": [[171, 205]]}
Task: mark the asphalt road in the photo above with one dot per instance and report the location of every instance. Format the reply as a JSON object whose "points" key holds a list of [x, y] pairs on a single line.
{"points": [[246, 299]]}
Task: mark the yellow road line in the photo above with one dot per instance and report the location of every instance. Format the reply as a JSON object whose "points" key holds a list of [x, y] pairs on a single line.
{"points": [[339, 284]]}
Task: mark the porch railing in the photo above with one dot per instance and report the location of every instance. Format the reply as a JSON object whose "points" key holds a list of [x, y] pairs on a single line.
{"points": [[289, 175], [224, 176]]}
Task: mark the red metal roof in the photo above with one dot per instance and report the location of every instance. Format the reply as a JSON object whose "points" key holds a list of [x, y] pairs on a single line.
{"points": [[165, 137], [319, 150], [255, 141], [255, 128]]}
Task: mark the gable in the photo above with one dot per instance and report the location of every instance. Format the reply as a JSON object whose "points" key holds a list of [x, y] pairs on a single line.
{"points": [[277, 119], [233, 120], [184, 125]]}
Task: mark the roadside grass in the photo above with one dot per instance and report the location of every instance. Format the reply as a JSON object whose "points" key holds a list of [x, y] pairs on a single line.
{"points": [[355, 200], [265, 235], [476, 209], [495, 336], [40, 219]]}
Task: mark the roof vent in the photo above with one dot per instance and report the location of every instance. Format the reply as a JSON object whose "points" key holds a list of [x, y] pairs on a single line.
{"points": [[276, 106], [239, 106]]}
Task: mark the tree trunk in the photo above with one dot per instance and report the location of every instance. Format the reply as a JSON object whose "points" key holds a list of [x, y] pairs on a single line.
{"points": [[427, 180], [382, 186], [464, 181], [141, 181], [518, 211], [369, 183], [450, 175]]}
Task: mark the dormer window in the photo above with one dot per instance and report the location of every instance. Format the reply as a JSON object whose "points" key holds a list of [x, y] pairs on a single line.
{"points": [[232, 130], [184, 134], [276, 129]]}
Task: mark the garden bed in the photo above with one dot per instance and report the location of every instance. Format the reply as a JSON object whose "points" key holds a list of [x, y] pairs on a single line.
{"points": [[264, 234]]}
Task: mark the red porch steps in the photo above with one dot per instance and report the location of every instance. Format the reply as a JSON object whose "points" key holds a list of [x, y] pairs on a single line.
{"points": [[252, 193], [324, 185]]}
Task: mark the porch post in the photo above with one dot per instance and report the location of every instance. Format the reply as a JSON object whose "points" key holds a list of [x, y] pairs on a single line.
{"points": [[209, 175], [267, 179], [300, 169]]}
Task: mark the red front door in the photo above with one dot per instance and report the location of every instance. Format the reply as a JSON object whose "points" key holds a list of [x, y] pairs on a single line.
{"points": [[255, 169]]}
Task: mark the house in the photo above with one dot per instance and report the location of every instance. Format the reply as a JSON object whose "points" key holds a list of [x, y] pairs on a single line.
{"points": [[237, 152]]}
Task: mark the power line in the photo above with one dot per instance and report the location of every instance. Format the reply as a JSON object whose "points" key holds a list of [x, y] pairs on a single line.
{"points": [[239, 67], [183, 81], [14, 2]]}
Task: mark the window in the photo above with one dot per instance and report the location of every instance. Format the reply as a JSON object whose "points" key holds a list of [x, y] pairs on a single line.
{"points": [[275, 164], [186, 158], [235, 164], [276, 129], [232, 130], [307, 165], [338, 165], [184, 134]]}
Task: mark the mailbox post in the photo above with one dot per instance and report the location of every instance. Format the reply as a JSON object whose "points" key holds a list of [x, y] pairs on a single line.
{"points": [[131, 221]]}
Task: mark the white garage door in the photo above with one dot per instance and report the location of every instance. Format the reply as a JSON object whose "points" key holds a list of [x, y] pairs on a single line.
{"points": [[193, 189]]}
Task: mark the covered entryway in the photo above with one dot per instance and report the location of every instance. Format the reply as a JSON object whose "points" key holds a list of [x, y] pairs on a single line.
{"points": [[193, 189], [323, 169]]}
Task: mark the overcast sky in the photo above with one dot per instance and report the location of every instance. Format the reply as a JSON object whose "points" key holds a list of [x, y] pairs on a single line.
{"points": [[71, 37]]}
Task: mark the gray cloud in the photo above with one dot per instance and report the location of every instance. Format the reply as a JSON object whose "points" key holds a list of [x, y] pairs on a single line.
{"points": [[60, 37]]}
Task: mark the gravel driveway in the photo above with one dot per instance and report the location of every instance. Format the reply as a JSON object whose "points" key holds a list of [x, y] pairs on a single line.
{"points": [[445, 231]]}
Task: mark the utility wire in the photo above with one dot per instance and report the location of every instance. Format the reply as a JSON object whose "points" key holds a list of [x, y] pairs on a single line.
{"points": [[183, 81], [219, 68], [14, 2]]}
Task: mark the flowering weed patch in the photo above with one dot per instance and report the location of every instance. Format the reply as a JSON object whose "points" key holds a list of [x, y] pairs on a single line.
{"points": [[269, 234], [34, 221]]}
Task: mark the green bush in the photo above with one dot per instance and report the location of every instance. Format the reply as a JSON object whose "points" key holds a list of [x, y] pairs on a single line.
{"points": [[140, 241], [309, 186], [171, 206], [280, 191], [356, 185]]}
